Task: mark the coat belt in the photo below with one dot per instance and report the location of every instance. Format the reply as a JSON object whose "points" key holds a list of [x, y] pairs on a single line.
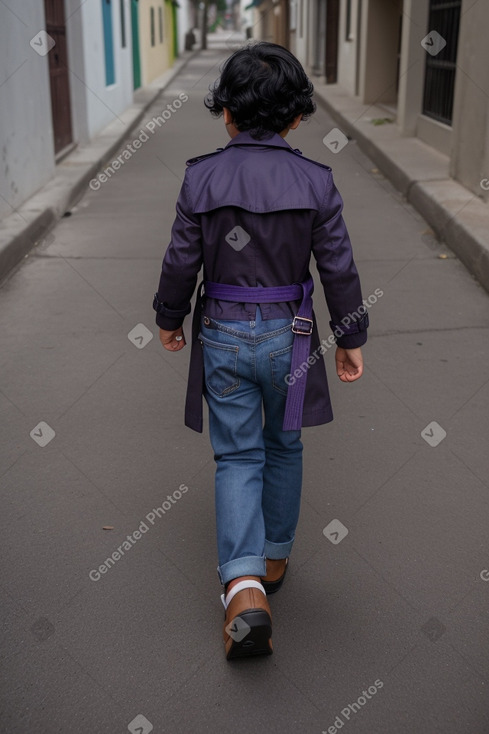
{"points": [[302, 326]]}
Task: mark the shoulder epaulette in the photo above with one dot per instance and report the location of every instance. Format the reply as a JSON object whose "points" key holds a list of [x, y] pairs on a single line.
{"points": [[311, 160], [198, 158]]}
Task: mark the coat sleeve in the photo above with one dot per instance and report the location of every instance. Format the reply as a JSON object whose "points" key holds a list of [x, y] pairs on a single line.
{"points": [[181, 264], [332, 251]]}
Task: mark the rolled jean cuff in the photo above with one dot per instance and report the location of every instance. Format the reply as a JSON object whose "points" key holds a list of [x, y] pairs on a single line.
{"points": [[246, 566], [276, 551]]}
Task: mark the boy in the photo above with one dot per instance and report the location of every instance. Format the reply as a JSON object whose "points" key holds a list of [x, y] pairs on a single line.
{"points": [[252, 213]]}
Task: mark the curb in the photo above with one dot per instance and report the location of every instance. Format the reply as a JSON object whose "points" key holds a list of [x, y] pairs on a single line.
{"points": [[21, 231], [457, 216], [465, 231]]}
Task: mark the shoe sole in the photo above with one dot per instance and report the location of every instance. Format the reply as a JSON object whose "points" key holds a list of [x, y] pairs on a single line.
{"points": [[257, 641]]}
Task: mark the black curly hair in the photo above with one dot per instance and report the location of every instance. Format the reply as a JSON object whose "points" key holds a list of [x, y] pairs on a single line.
{"points": [[264, 87]]}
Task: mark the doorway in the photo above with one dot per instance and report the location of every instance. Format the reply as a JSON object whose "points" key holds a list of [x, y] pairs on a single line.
{"points": [[59, 76], [332, 25], [136, 59]]}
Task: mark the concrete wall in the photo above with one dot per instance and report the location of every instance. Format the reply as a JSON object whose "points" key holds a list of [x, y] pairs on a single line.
{"points": [[26, 136], [312, 63], [296, 45], [281, 25], [348, 48], [263, 22], [379, 46], [470, 148], [301, 36], [413, 55]]}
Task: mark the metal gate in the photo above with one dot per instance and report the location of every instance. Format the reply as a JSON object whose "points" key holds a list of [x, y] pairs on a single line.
{"points": [[59, 75], [444, 18]]}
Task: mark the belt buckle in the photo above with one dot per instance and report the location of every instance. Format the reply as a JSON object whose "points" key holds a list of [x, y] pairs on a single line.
{"points": [[302, 325]]}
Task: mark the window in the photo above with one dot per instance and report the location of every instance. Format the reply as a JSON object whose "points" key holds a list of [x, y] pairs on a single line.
{"points": [[160, 22], [439, 87], [123, 24], [152, 16], [108, 42]]}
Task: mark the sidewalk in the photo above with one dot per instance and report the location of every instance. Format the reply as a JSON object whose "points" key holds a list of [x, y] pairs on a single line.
{"points": [[29, 225], [421, 174], [110, 598]]}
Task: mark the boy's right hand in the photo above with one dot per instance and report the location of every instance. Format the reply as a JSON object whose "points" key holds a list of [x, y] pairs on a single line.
{"points": [[349, 364]]}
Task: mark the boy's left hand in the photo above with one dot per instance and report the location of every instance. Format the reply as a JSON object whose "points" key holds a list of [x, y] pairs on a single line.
{"points": [[173, 341]]}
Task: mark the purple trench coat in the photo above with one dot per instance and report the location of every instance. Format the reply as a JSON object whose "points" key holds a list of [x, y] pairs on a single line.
{"points": [[252, 213]]}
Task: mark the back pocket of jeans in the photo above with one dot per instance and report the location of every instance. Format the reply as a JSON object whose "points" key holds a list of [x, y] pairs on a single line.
{"points": [[220, 366], [280, 366]]}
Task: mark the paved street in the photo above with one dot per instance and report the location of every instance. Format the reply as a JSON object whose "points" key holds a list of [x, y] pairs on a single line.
{"points": [[382, 624]]}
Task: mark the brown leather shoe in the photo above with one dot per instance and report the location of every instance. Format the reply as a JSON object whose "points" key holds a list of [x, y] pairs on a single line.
{"points": [[276, 570], [248, 620]]}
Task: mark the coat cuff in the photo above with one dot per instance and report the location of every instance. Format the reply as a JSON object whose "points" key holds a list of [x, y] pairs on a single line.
{"points": [[169, 318], [353, 334], [353, 341], [168, 324]]}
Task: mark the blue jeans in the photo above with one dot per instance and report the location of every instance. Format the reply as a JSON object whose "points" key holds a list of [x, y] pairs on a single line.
{"points": [[259, 466]]}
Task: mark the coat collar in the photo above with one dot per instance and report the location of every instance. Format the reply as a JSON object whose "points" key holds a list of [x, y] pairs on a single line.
{"points": [[274, 141]]}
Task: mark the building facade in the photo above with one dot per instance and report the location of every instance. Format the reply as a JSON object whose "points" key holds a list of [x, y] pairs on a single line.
{"points": [[426, 62], [99, 56], [271, 21], [69, 68], [66, 74]]}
